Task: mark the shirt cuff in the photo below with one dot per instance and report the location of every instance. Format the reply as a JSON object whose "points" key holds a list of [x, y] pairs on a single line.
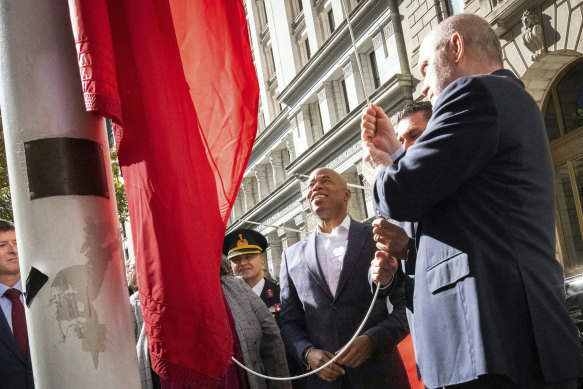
{"points": [[387, 285]]}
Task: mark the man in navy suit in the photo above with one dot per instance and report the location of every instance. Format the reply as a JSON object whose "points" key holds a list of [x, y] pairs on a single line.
{"points": [[325, 294], [489, 302], [15, 364]]}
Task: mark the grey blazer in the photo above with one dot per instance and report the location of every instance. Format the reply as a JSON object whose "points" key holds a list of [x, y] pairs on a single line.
{"points": [[258, 334]]}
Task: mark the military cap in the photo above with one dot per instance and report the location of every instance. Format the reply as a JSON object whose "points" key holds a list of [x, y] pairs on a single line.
{"points": [[243, 241]]}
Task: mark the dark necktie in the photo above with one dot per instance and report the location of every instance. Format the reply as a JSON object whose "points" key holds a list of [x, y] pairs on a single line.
{"points": [[18, 320]]}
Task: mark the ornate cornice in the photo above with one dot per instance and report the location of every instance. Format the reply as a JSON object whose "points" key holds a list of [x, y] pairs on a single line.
{"points": [[507, 14], [283, 196]]}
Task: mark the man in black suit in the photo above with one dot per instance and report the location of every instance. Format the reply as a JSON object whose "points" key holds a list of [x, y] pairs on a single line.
{"points": [[15, 363], [489, 300], [325, 295]]}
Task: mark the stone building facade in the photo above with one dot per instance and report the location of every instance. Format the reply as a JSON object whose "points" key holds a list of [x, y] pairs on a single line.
{"points": [[311, 96]]}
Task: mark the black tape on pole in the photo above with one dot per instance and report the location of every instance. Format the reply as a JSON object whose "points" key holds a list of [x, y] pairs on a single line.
{"points": [[34, 282], [65, 166]]}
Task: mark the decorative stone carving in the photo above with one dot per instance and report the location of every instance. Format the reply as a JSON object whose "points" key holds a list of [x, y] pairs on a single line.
{"points": [[322, 95], [377, 41], [347, 70], [389, 29], [532, 33]]}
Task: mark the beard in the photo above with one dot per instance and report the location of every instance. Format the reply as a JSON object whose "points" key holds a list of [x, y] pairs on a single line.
{"points": [[446, 72]]}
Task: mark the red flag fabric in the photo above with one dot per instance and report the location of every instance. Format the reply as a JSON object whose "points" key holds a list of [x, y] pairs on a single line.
{"points": [[407, 352], [159, 60]]}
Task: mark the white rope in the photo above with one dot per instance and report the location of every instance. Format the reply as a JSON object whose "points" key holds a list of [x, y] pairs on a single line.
{"points": [[374, 298], [297, 175], [355, 52]]}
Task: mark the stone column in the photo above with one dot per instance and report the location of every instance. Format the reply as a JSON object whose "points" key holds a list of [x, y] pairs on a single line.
{"points": [[367, 192], [261, 177], [302, 135], [276, 163], [356, 207], [289, 145], [327, 106], [353, 83], [273, 254], [288, 238], [249, 199]]}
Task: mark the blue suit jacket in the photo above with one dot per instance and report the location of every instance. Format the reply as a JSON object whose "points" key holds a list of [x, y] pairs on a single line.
{"points": [[311, 316], [15, 370], [489, 294]]}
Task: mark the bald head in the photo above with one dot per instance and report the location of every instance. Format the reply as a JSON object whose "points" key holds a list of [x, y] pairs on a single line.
{"points": [[481, 42], [328, 197], [462, 45]]}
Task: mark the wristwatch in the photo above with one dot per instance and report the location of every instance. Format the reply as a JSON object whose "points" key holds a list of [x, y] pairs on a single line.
{"points": [[305, 357]]}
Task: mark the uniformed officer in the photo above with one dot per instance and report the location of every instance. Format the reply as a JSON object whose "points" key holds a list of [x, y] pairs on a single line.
{"points": [[246, 250]]}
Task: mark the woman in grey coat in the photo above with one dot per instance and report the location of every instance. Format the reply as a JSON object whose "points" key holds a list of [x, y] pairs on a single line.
{"points": [[259, 338], [258, 334]]}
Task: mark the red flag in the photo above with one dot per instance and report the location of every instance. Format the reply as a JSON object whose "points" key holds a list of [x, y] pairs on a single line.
{"points": [[181, 171]]}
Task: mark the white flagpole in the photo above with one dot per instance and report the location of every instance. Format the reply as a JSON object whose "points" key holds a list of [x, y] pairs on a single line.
{"points": [[80, 329]]}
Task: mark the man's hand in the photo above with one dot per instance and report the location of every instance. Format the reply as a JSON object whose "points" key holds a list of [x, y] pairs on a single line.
{"points": [[390, 238], [383, 268], [376, 127], [317, 358], [373, 161], [358, 352]]}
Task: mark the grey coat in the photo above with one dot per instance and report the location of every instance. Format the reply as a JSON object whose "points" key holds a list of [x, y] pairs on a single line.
{"points": [[258, 334]]}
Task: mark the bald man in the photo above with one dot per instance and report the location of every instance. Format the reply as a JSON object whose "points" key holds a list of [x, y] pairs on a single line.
{"points": [[325, 294], [489, 302]]}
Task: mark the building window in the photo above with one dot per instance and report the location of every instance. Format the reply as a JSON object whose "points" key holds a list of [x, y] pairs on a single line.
{"points": [[563, 114], [374, 69], [331, 21], [262, 13], [304, 47], [345, 94], [297, 7], [455, 7], [270, 62]]}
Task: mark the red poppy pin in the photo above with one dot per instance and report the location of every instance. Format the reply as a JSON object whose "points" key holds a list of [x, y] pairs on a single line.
{"points": [[269, 293]]}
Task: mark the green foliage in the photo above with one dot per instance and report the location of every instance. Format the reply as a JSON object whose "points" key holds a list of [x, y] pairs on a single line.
{"points": [[5, 199], [119, 187]]}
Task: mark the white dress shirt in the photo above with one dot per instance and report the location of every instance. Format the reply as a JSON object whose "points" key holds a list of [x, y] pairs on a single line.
{"points": [[330, 249], [6, 304], [259, 287]]}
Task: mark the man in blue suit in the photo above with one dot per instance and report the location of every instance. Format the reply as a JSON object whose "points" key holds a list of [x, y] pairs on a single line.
{"points": [[15, 364], [325, 294], [489, 302]]}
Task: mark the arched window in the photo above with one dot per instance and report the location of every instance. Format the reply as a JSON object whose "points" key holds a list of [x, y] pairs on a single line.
{"points": [[563, 114]]}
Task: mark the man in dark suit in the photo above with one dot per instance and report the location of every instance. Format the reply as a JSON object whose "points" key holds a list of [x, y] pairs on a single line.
{"points": [[489, 302], [325, 295], [15, 363]]}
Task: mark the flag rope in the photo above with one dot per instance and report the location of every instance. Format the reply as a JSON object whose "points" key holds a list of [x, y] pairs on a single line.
{"points": [[342, 350], [298, 175]]}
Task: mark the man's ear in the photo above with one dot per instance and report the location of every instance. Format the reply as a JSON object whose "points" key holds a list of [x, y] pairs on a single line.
{"points": [[457, 47], [348, 194]]}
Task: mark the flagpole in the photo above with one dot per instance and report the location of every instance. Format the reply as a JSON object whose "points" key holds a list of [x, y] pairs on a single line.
{"points": [[79, 323]]}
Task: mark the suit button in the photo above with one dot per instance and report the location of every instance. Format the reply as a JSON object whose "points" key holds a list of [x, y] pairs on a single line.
{"points": [[334, 308]]}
